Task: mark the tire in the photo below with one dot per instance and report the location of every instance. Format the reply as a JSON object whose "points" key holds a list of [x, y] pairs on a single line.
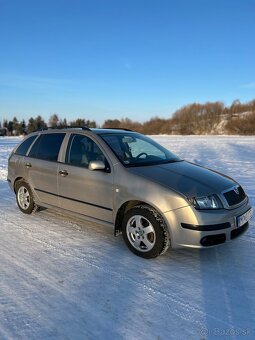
{"points": [[145, 232], [24, 198]]}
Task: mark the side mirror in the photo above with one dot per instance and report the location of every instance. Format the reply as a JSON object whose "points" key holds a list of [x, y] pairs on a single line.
{"points": [[96, 165]]}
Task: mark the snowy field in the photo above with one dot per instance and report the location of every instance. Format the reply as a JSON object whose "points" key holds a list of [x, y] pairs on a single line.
{"points": [[66, 279]]}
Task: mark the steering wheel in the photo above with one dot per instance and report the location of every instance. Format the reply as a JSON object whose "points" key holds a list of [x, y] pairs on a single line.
{"points": [[141, 154]]}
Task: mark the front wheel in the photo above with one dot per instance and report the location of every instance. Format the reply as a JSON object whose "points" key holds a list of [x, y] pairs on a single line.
{"points": [[145, 232], [24, 198]]}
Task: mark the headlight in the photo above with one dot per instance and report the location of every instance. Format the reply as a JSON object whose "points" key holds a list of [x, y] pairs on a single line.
{"points": [[207, 202]]}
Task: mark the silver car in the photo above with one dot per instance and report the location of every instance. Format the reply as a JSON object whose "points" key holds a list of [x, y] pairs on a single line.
{"points": [[126, 180]]}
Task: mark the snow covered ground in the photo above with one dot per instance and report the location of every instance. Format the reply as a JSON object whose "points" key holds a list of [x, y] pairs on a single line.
{"points": [[65, 279]]}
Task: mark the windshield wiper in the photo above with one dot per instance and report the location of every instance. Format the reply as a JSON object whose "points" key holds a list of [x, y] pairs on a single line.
{"points": [[130, 165]]}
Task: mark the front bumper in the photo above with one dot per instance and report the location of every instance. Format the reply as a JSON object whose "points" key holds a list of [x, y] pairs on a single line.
{"points": [[189, 227]]}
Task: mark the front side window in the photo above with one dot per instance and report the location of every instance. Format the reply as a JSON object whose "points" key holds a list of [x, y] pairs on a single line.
{"points": [[82, 150], [23, 148], [47, 146], [138, 150]]}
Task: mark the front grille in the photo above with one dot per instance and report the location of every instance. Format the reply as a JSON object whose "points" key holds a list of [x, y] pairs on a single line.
{"points": [[235, 197]]}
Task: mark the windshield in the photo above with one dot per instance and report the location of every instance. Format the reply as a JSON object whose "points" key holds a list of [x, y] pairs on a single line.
{"points": [[138, 150]]}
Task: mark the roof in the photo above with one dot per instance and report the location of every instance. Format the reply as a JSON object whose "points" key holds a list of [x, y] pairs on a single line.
{"points": [[84, 128]]}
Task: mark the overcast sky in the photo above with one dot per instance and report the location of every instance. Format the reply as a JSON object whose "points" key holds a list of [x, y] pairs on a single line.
{"points": [[102, 59]]}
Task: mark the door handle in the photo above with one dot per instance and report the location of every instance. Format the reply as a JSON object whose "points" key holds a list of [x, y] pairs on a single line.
{"points": [[63, 173], [28, 165]]}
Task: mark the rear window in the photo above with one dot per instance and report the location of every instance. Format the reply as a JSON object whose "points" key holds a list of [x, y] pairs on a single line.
{"points": [[47, 146], [23, 148]]}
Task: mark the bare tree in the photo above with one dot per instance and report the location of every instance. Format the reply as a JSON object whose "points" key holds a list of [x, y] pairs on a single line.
{"points": [[53, 121]]}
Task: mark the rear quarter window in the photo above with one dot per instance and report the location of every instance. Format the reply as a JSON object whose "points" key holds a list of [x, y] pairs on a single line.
{"points": [[47, 146], [24, 146]]}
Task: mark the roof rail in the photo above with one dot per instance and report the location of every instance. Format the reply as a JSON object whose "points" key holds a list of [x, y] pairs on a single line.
{"points": [[119, 129], [86, 128], [66, 127]]}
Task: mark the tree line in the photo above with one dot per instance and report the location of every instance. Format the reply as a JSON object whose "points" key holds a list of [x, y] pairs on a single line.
{"points": [[192, 119], [15, 128], [195, 119]]}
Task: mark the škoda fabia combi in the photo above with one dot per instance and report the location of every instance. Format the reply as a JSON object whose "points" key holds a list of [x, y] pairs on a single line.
{"points": [[125, 179]]}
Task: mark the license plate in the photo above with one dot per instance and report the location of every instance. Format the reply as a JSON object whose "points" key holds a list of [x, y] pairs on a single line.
{"points": [[241, 220]]}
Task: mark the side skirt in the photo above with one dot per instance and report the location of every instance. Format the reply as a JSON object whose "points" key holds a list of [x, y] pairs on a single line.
{"points": [[75, 214]]}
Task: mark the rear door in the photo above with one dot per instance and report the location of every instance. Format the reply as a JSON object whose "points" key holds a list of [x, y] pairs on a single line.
{"points": [[42, 167], [81, 190]]}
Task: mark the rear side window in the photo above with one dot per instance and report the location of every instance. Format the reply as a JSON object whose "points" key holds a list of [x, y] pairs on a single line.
{"points": [[47, 146], [22, 149]]}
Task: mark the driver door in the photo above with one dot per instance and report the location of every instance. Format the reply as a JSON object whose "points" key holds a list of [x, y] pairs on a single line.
{"points": [[81, 190]]}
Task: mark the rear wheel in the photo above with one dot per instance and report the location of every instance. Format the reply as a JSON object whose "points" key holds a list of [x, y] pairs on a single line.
{"points": [[145, 232], [24, 198]]}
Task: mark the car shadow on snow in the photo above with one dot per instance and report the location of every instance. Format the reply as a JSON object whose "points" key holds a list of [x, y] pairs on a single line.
{"points": [[227, 285]]}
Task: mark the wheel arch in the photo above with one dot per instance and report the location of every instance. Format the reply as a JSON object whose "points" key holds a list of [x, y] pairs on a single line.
{"points": [[15, 182], [124, 208]]}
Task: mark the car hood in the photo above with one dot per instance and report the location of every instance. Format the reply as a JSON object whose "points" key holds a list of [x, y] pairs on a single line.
{"points": [[186, 178]]}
